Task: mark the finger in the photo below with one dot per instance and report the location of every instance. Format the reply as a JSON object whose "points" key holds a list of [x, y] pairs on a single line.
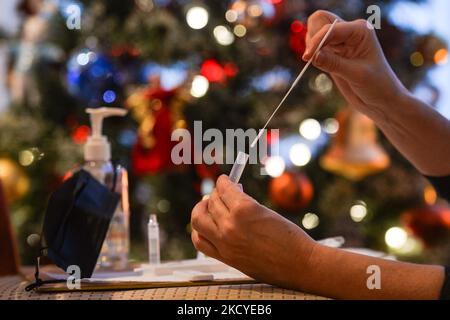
{"points": [[204, 245], [317, 20], [329, 62], [342, 32], [216, 207], [202, 221], [228, 191]]}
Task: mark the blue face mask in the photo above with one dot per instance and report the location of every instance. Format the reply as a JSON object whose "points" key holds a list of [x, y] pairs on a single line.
{"points": [[75, 225]]}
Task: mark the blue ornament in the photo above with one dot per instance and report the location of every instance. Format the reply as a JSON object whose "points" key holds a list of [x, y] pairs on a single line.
{"points": [[92, 78]]}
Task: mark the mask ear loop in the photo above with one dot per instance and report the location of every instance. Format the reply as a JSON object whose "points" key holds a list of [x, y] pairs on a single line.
{"points": [[38, 282]]}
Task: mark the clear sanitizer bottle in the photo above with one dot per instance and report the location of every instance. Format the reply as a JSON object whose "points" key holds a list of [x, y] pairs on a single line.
{"points": [[97, 156]]}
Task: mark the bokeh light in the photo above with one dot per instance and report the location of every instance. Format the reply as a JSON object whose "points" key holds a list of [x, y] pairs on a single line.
{"points": [[331, 126], [430, 195], [83, 59], [231, 16], [310, 129], [197, 17], [358, 211], [310, 221], [396, 237], [323, 84], [26, 158], [200, 86], [417, 59], [441, 56], [240, 30], [223, 35], [109, 96], [300, 154], [275, 166], [254, 10]]}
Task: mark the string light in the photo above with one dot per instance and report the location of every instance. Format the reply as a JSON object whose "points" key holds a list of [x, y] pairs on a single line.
{"points": [[197, 17], [310, 129], [109, 96], [417, 59], [231, 16], [275, 166], [323, 84], [26, 158], [254, 10], [396, 237], [430, 195], [310, 221], [200, 86], [240, 30], [83, 59], [223, 35], [441, 57], [331, 126], [358, 211], [300, 154]]}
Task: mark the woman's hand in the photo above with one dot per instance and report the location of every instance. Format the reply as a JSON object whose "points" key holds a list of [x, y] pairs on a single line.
{"points": [[353, 57], [236, 229]]}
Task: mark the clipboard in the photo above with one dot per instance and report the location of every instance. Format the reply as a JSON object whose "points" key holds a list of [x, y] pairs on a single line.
{"points": [[165, 275]]}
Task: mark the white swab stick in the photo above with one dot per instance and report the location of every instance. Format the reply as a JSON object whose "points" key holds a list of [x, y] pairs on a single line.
{"points": [[294, 83]]}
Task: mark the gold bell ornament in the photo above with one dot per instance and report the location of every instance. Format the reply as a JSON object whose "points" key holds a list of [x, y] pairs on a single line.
{"points": [[355, 152]]}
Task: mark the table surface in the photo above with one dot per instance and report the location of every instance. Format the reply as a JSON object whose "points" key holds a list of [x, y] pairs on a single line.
{"points": [[13, 288]]}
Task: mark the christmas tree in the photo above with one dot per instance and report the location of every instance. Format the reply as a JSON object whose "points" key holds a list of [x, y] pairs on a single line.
{"points": [[227, 64]]}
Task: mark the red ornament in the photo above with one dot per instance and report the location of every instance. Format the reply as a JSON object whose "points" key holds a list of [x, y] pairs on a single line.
{"points": [[297, 38], [152, 151], [156, 158], [213, 71], [297, 26], [429, 223], [291, 191], [80, 135]]}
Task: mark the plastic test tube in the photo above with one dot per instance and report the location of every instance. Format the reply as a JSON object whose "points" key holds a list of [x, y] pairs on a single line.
{"points": [[238, 167]]}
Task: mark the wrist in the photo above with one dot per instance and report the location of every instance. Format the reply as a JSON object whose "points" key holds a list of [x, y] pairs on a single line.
{"points": [[306, 250], [391, 108]]}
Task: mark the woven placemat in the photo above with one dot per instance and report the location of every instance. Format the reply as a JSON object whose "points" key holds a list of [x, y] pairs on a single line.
{"points": [[13, 288]]}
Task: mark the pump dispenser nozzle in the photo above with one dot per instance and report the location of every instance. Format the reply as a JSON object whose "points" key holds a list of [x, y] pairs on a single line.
{"points": [[97, 147]]}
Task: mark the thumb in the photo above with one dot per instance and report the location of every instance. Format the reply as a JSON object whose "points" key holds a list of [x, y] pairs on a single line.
{"points": [[330, 62]]}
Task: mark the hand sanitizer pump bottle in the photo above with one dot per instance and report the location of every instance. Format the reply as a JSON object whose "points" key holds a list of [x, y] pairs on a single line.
{"points": [[97, 156]]}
